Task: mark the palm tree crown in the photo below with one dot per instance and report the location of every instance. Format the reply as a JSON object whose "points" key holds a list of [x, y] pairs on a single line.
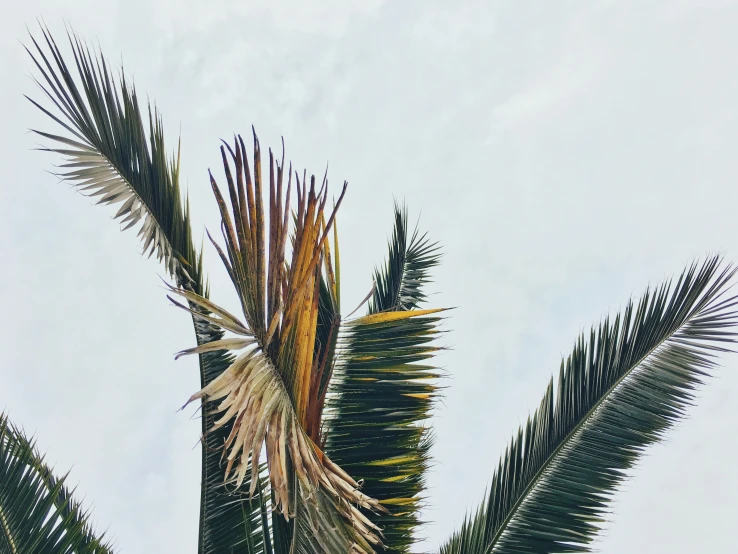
{"points": [[314, 422]]}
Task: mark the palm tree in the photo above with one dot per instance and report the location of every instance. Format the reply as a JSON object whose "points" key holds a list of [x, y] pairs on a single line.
{"points": [[314, 435]]}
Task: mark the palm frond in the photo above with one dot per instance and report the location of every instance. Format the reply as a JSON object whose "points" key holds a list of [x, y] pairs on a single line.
{"points": [[229, 520], [384, 388], [399, 286], [268, 391], [618, 392], [108, 153], [253, 395], [38, 513], [111, 152]]}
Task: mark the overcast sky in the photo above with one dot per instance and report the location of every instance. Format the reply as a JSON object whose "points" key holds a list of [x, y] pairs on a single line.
{"points": [[566, 154]]}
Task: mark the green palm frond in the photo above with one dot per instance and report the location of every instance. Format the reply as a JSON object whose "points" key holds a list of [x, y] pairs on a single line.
{"points": [[38, 514], [618, 392], [384, 388], [399, 286], [110, 154], [229, 520]]}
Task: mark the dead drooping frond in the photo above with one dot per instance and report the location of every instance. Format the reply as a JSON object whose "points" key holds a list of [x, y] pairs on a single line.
{"points": [[274, 389]]}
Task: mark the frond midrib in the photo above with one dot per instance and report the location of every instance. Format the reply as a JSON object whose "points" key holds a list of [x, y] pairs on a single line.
{"points": [[396, 302], [6, 532], [567, 440]]}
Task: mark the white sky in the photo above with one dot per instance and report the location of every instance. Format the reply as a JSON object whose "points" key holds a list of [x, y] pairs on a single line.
{"points": [[567, 154]]}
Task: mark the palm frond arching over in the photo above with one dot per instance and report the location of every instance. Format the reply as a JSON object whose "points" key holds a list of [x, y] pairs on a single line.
{"points": [[38, 514], [618, 392], [109, 153]]}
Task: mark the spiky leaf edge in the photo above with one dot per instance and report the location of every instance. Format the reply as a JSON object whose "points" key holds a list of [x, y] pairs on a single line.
{"points": [[38, 512]]}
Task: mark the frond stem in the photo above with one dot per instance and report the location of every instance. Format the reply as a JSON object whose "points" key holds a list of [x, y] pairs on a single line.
{"points": [[6, 531]]}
